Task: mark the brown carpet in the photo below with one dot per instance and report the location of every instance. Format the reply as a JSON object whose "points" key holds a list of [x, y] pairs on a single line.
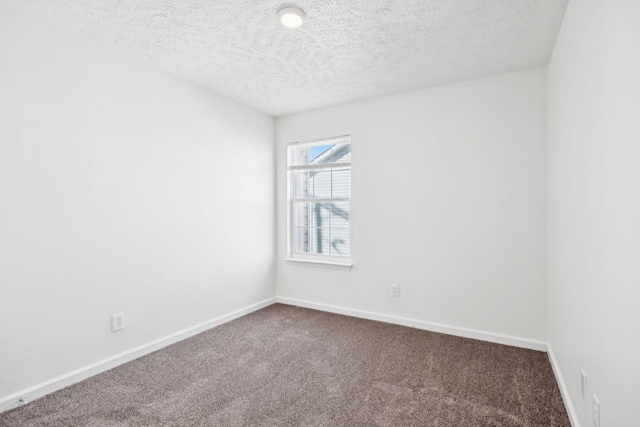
{"points": [[289, 366]]}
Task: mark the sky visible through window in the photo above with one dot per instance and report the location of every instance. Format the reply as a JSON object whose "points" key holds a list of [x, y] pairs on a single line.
{"points": [[314, 152]]}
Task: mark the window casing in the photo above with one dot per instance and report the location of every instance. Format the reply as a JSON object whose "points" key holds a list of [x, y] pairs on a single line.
{"points": [[319, 186]]}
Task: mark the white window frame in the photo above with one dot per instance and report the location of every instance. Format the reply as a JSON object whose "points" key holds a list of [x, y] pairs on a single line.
{"points": [[315, 260]]}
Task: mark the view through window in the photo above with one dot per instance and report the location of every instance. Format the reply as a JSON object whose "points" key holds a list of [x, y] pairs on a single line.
{"points": [[320, 199]]}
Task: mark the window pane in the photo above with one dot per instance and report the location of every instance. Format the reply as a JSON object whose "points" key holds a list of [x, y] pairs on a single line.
{"points": [[341, 153], [307, 214], [302, 240], [313, 184], [321, 241], [313, 241], [341, 182], [323, 183], [301, 184], [306, 155], [319, 214], [300, 155], [301, 215], [319, 154], [320, 183], [340, 215], [340, 245]]}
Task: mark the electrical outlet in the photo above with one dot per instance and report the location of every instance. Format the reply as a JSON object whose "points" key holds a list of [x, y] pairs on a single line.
{"points": [[395, 290], [583, 384], [117, 322], [596, 411]]}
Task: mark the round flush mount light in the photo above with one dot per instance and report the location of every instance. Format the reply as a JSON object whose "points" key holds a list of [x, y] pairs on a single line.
{"points": [[291, 17]]}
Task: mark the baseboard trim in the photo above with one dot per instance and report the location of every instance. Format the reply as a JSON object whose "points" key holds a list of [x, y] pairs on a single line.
{"points": [[564, 391], [12, 401], [421, 324]]}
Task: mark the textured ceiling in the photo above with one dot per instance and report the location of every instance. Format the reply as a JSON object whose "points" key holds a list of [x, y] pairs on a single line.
{"points": [[347, 49]]}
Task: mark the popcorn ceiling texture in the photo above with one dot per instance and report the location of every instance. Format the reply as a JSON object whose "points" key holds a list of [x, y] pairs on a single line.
{"points": [[347, 50]]}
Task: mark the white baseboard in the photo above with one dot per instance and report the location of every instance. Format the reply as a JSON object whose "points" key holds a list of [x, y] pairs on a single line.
{"points": [[39, 390], [421, 324], [57, 383], [573, 417]]}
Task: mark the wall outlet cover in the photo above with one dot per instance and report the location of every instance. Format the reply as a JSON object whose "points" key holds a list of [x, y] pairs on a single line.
{"points": [[395, 290], [117, 322]]}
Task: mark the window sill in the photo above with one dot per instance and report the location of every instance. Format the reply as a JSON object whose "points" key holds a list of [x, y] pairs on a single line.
{"points": [[320, 264]]}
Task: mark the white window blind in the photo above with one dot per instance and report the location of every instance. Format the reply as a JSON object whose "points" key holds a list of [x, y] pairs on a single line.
{"points": [[320, 199]]}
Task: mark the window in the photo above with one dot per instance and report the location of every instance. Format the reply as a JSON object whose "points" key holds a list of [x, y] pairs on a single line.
{"points": [[320, 201]]}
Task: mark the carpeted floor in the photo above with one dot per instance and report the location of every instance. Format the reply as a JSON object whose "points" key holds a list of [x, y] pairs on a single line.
{"points": [[289, 366]]}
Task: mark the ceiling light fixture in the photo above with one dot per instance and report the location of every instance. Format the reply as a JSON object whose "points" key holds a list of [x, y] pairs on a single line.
{"points": [[291, 17]]}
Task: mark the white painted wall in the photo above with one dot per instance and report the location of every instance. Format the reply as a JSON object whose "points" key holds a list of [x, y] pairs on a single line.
{"points": [[449, 200], [121, 190], [594, 207]]}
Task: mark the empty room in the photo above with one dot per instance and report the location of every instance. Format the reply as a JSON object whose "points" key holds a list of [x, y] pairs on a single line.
{"points": [[320, 213]]}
